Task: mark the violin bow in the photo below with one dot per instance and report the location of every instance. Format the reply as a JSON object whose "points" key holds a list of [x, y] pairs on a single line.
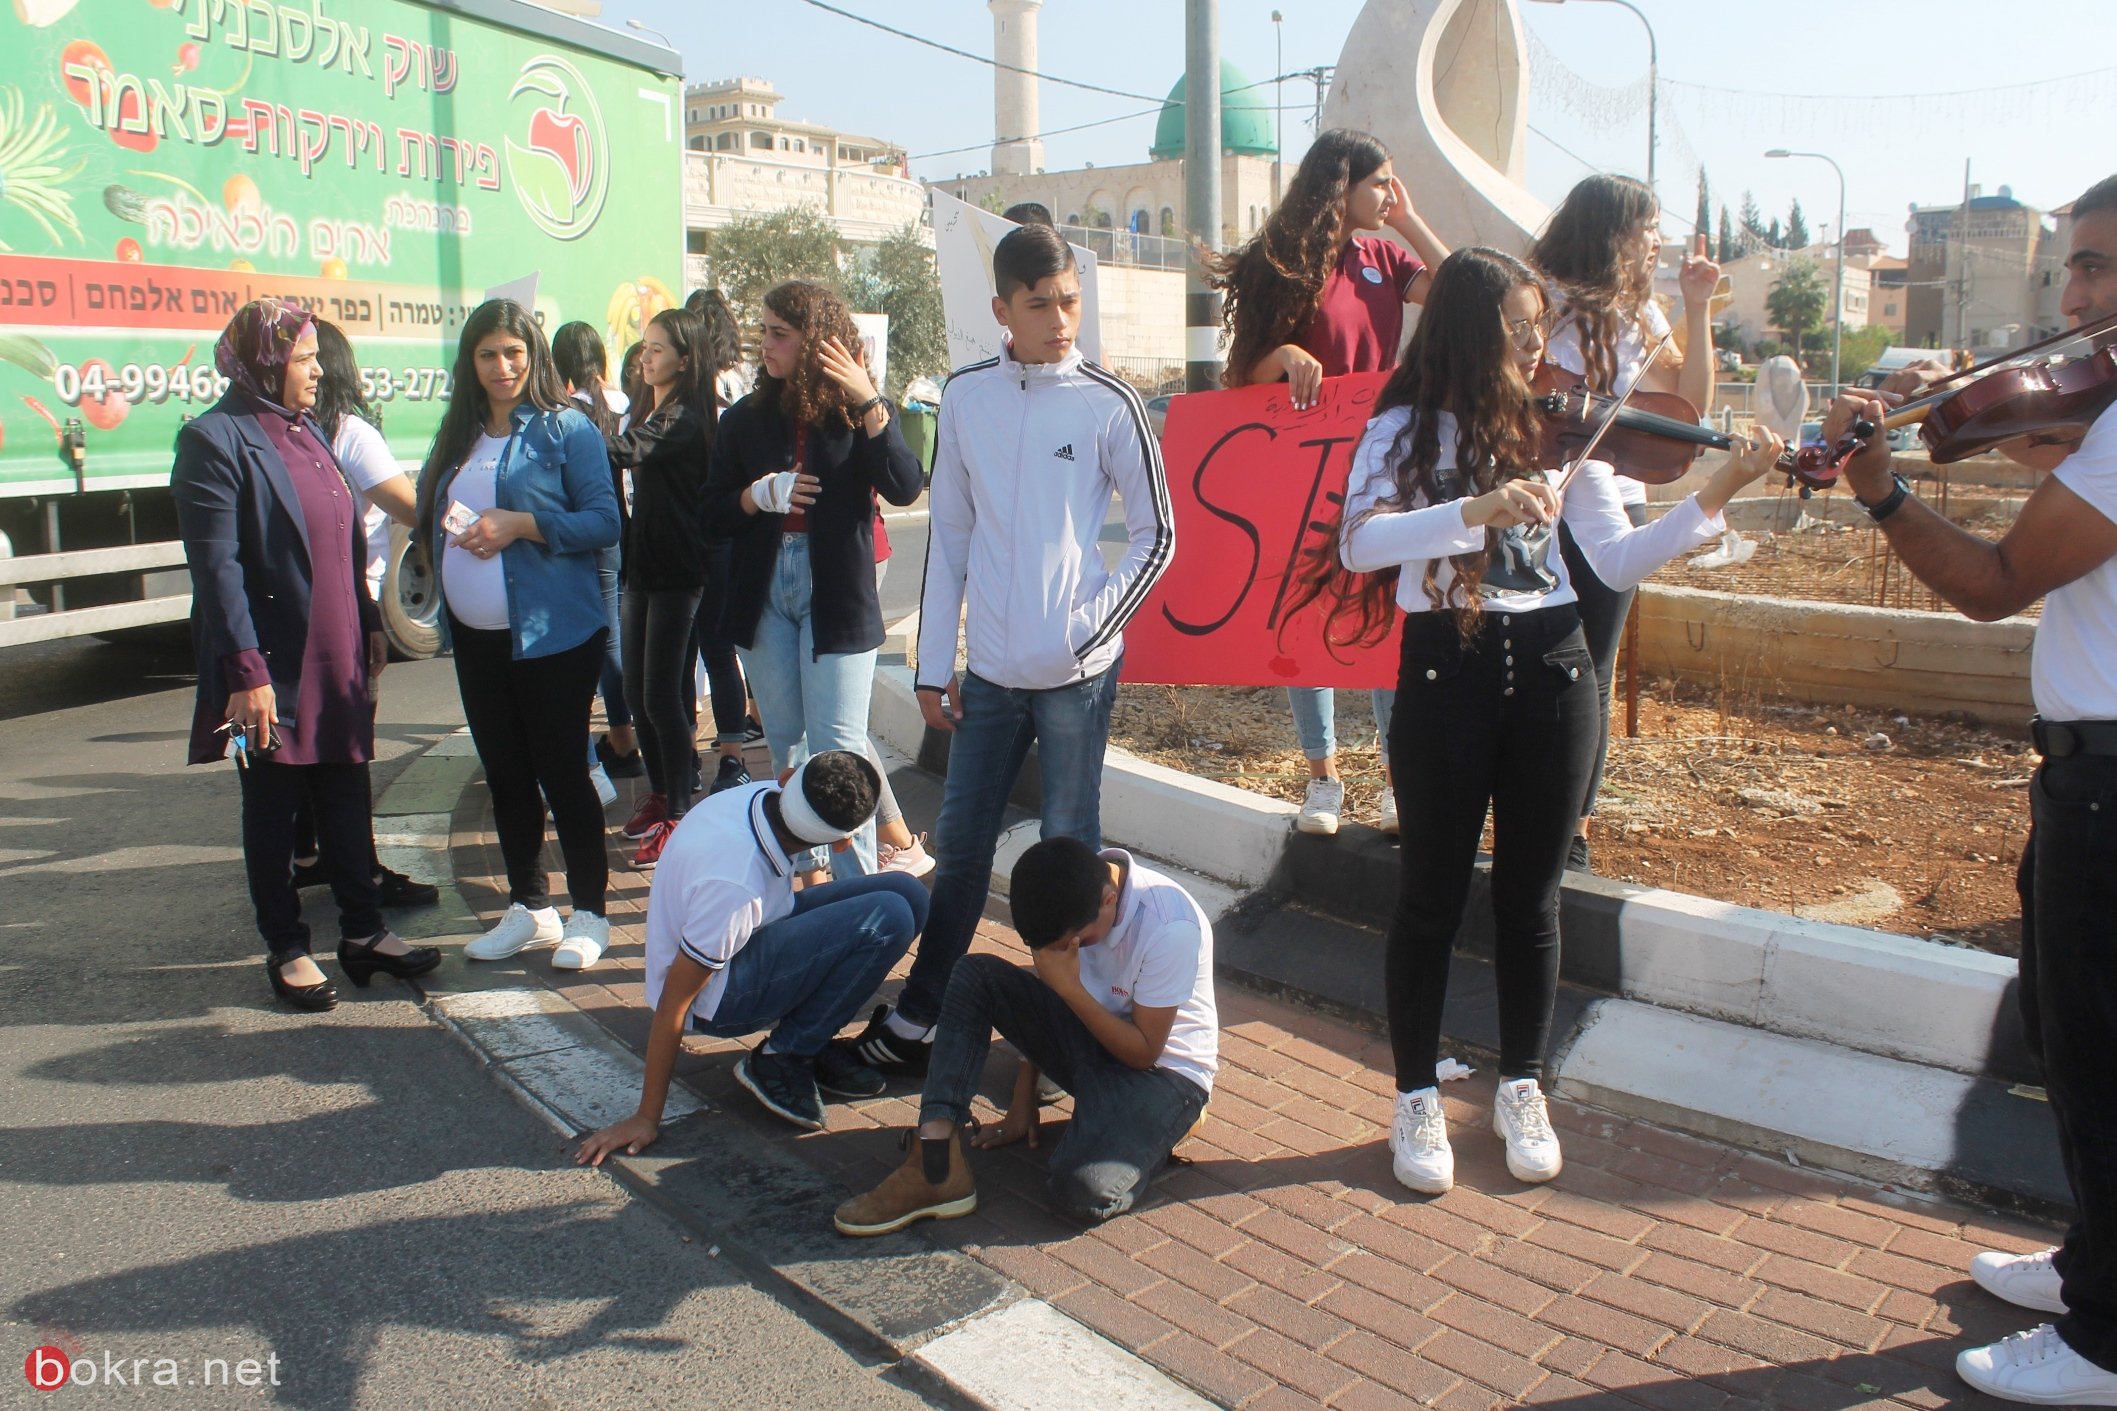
{"points": [[1930, 392], [1610, 417]]}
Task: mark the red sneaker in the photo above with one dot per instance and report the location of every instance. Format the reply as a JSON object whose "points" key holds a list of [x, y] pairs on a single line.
{"points": [[651, 849], [653, 810]]}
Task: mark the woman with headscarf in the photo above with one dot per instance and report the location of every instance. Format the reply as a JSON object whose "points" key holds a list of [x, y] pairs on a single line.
{"points": [[288, 642]]}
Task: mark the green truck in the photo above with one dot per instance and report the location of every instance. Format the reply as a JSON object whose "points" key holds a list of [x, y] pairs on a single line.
{"points": [[386, 163]]}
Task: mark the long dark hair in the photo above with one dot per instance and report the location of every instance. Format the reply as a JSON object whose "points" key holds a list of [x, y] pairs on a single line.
{"points": [[723, 332], [1274, 284], [577, 352], [1586, 251], [808, 396], [693, 388], [468, 408], [338, 393], [1459, 361]]}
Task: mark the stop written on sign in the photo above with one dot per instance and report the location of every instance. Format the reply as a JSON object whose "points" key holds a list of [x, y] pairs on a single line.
{"points": [[1256, 487]]}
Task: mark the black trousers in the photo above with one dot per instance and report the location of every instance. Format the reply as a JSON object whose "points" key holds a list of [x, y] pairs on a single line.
{"points": [[336, 796], [659, 623], [731, 709], [2068, 885], [529, 720], [1507, 724], [1603, 611]]}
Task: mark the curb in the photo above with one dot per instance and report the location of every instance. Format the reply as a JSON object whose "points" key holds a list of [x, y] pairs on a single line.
{"points": [[944, 1317], [1777, 1011], [1948, 1008]]}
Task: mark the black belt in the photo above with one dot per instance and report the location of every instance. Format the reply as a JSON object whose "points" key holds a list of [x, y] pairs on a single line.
{"points": [[2058, 739]]}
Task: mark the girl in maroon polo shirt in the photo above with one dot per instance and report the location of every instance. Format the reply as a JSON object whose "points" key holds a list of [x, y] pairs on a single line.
{"points": [[1311, 297]]}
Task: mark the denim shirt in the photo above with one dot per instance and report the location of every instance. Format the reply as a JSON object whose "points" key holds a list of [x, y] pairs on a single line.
{"points": [[556, 467]]}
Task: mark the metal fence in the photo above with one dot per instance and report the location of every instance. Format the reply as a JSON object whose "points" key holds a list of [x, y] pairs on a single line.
{"points": [[1122, 247]]}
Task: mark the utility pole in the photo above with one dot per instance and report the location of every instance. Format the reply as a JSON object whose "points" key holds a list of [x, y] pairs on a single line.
{"points": [[1201, 190], [1962, 264]]}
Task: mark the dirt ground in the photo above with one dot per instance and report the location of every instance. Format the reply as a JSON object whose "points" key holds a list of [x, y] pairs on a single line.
{"points": [[1836, 814], [1826, 562]]}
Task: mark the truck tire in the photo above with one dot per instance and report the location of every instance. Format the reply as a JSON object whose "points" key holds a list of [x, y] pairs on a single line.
{"points": [[411, 599]]}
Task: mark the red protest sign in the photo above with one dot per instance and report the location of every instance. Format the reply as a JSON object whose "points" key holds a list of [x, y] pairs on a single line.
{"points": [[1254, 485]]}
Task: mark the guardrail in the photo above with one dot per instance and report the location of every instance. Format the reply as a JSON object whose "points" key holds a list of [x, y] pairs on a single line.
{"points": [[87, 563]]}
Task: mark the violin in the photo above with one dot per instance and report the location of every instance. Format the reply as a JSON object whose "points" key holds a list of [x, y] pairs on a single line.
{"points": [[1652, 437], [2049, 402]]}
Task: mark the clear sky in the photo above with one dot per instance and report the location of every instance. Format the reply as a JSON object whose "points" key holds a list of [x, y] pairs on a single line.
{"points": [[2030, 85]]}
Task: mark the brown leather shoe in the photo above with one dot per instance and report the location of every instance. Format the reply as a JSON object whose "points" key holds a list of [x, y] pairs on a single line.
{"points": [[934, 1183]]}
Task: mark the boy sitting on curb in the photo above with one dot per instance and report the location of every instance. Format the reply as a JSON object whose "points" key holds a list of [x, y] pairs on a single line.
{"points": [[1118, 1010], [731, 948]]}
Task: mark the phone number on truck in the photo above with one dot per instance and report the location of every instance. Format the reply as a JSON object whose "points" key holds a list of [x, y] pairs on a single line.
{"points": [[154, 384]]}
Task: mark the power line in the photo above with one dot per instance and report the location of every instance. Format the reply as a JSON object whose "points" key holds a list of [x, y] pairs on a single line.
{"points": [[1035, 136], [977, 58]]}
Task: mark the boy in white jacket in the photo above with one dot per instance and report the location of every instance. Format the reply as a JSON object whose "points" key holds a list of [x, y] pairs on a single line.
{"points": [[1030, 446]]}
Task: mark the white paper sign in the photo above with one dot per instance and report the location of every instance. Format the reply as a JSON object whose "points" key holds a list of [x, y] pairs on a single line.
{"points": [[874, 347], [964, 236]]}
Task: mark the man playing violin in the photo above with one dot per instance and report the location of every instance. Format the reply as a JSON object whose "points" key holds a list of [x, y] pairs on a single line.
{"points": [[2063, 548]]}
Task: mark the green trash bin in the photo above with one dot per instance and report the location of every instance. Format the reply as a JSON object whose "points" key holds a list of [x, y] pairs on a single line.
{"points": [[918, 429]]}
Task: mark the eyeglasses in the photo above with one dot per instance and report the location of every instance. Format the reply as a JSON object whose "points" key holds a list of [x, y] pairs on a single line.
{"points": [[1526, 333]]}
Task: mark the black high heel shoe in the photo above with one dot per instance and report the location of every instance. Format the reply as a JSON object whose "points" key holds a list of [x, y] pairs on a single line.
{"points": [[360, 960], [314, 998]]}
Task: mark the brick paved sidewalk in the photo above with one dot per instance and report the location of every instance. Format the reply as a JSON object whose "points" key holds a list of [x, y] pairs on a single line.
{"points": [[1283, 1267]]}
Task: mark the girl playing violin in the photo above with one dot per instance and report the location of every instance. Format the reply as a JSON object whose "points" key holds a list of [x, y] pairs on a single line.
{"points": [[1598, 254], [1311, 296], [1450, 517]]}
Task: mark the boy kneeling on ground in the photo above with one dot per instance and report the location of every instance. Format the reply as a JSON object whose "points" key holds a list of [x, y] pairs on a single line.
{"points": [[1118, 1011], [732, 948]]}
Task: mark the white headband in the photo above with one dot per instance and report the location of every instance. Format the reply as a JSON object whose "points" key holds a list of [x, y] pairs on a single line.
{"points": [[802, 820]]}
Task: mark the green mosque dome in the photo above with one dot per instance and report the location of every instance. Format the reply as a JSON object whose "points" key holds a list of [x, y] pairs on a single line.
{"points": [[1245, 119]]}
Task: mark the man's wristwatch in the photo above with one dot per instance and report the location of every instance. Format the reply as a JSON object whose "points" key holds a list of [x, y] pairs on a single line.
{"points": [[1881, 509]]}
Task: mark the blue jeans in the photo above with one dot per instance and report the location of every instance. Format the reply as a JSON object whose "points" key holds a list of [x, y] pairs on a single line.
{"points": [[1125, 1121], [1069, 725], [806, 703], [612, 684], [807, 975], [1316, 714]]}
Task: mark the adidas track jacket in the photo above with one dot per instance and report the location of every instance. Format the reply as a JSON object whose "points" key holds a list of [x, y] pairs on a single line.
{"points": [[1026, 456]]}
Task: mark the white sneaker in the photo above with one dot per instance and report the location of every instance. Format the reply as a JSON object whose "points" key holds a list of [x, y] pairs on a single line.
{"points": [[587, 936], [913, 860], [2037, 1367], [1418, 1143], [515, 932], [604, 789], [1389, 812], [2024, 1280], [1320, 809], [1521, 1120]]}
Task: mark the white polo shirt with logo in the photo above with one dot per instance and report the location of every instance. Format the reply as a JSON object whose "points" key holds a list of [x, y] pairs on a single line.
{"points": [[722, 877]]}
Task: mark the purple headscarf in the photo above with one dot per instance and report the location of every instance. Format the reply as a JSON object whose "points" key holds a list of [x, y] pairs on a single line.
{"points": [[256, 346]]}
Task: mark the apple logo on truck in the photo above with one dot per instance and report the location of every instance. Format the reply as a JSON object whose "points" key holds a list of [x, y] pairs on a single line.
{"points": [[561, 172]]}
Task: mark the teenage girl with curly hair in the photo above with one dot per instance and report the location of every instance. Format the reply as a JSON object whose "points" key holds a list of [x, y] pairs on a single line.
{"points": [[796, 468], [1309, 297], [1598, 256]]}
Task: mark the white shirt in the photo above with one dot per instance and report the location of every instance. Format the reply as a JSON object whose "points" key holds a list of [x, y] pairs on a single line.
{"points": [[722, 877], [1159, 953], [365, 457], [1526, 572], [1568, 350], [476, 589], [2073, 664], [617, 401]]}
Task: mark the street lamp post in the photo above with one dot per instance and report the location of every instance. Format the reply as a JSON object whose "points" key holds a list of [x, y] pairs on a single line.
{"points": [[1837, 290], [644, 29], [1653, 85]]}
